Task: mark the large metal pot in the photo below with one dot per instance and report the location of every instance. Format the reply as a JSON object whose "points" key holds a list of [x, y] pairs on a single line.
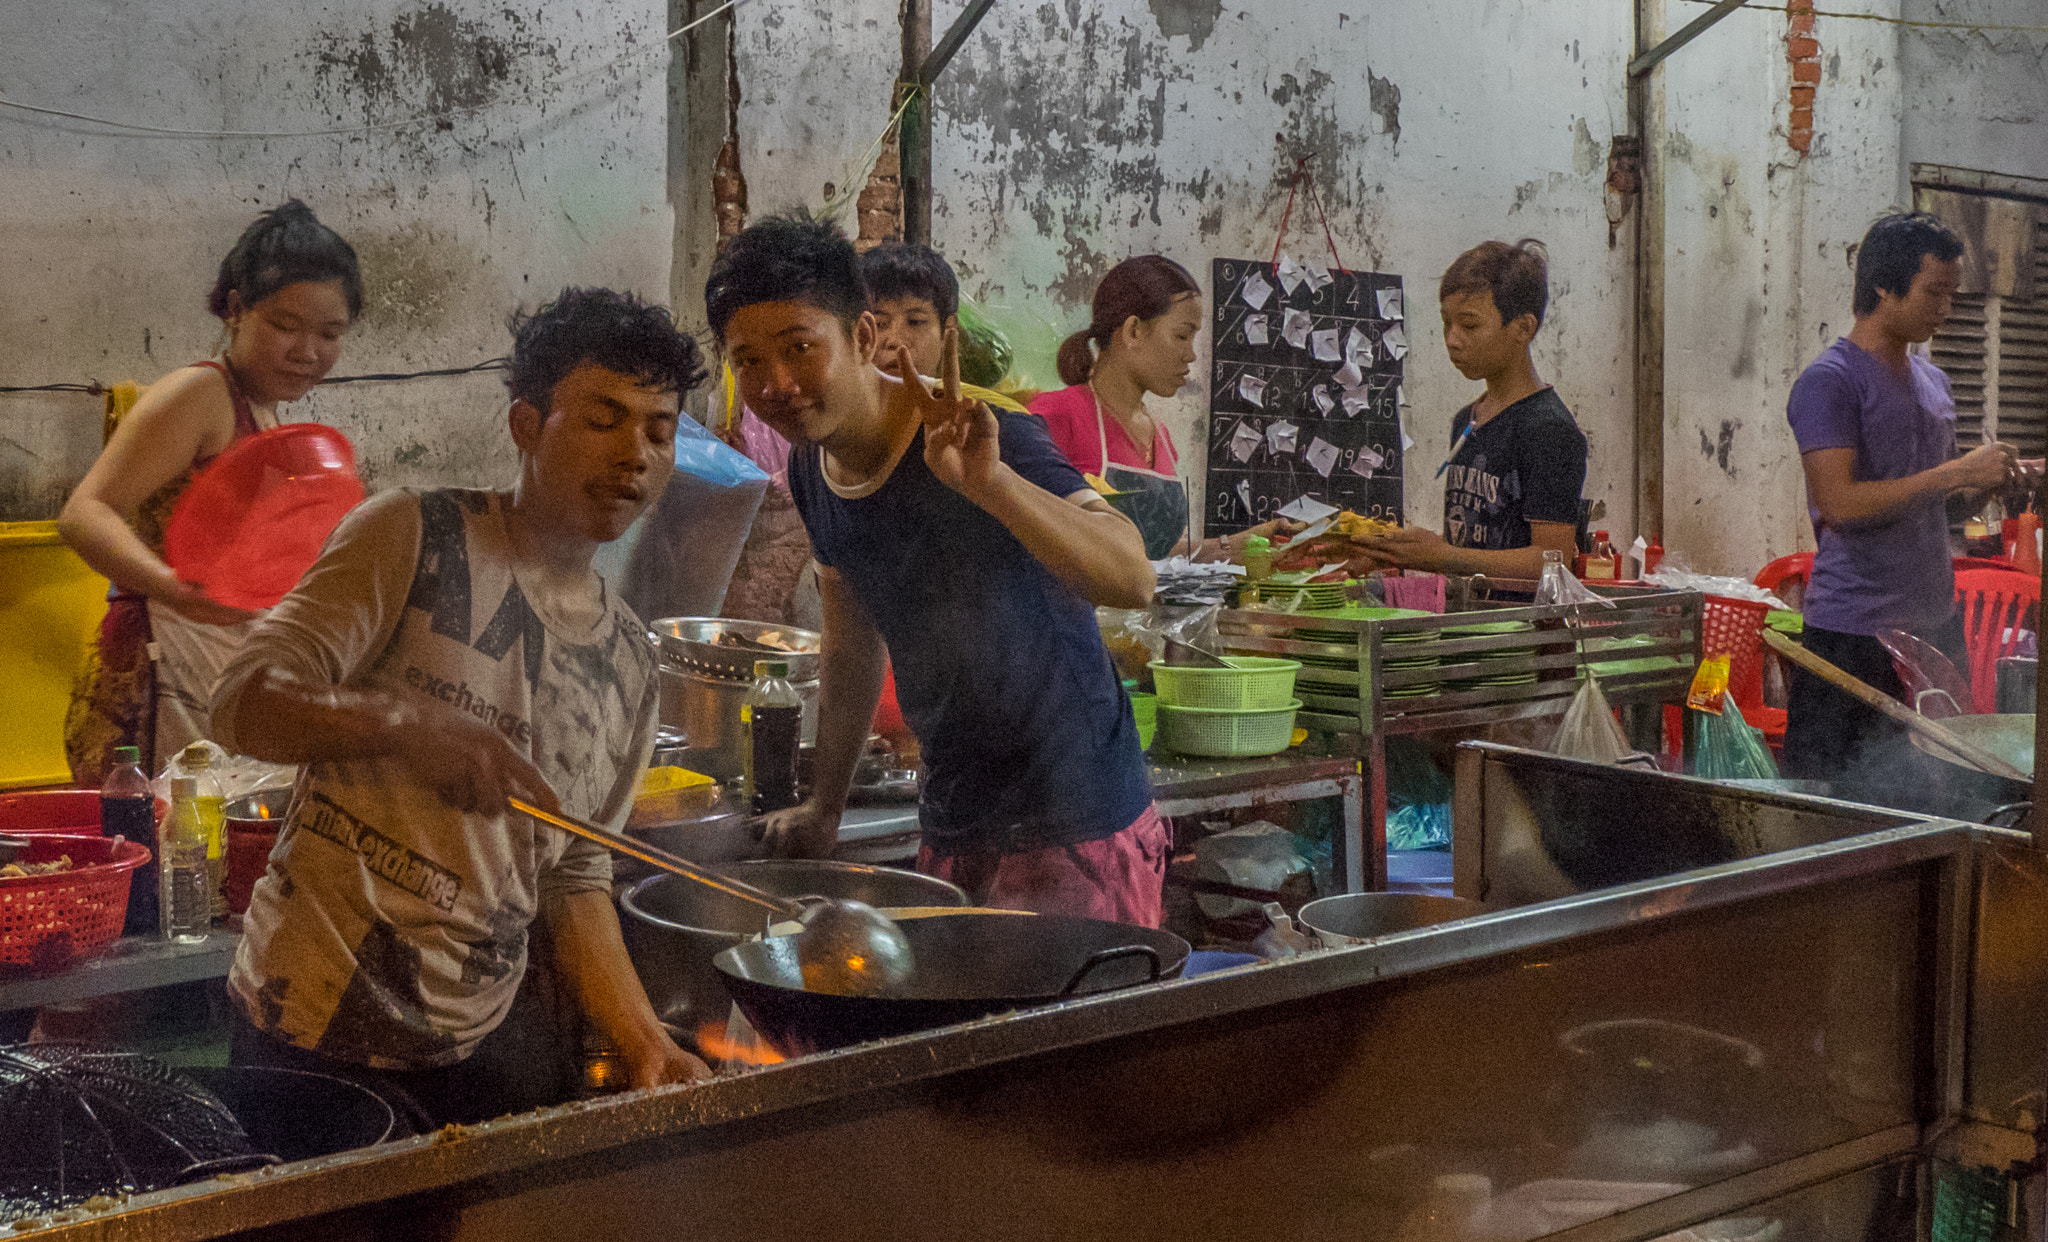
{"points": [[297, 1114], [674, 927], [704, 682], [1354, 918], [967, 966]]}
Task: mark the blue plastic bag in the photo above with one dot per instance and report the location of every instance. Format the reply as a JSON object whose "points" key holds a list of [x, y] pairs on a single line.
{"points": [[711, 459]]}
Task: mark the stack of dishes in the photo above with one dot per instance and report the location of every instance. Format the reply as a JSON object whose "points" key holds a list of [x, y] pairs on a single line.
{"points": [[1300, 596], [1497, 656], [1392, 662]]}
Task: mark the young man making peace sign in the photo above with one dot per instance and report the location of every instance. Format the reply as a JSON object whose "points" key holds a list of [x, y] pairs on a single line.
{"points": [[959, 541]]}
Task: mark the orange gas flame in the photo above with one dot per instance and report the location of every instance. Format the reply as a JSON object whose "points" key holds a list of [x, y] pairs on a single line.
{"points": [[711, 1038]]}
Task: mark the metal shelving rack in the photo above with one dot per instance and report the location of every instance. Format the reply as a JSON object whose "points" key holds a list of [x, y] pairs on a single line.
{"points": [[1567, 642]]}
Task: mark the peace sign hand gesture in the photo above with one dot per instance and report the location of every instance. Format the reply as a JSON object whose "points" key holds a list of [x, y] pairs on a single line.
{"points": [[962, 442]]}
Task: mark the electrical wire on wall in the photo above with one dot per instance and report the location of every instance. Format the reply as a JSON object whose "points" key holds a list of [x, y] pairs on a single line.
{"points": [[425, 118], [1899, 21], [97, 389]]}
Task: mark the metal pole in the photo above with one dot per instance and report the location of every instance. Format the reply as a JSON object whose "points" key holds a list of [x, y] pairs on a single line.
{"points": [[1693, 29], [914, 134]]}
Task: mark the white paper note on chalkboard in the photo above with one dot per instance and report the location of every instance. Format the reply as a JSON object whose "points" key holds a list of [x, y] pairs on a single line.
{"points": [[1244, 493], [1245, 441], [1281, 437], [1255, 330], [1252, 389], [1290, 274], [1356, 400], [1396, 342], [1255, 290], [1305, 509], [1358, 349], [1318, 275], [1294, 326], [1390, 304], [1325, 345], [1324, 401], [1349, 376], [1322, 455]]}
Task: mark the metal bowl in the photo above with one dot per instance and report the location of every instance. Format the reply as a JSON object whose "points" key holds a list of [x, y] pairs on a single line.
{"points": [[264, 809], [1354, 918], [690, 644]]}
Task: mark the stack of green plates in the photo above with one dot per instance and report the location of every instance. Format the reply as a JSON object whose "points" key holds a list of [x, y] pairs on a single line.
{"points": [[1483, 629], [1392, 662], [1313, 596]]}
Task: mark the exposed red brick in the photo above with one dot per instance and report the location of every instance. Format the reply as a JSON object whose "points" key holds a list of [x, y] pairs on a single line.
{"points": [[1799, 6], [1802, 118], [1807, 71], [1800, 140], [1802, 97], [1802, 23], [1802, 47]]}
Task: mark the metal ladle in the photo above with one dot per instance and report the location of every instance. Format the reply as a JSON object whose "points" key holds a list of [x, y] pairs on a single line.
{"points": [[847, 948]]}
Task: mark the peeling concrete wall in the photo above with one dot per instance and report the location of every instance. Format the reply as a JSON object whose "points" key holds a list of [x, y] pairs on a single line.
{"points": [[1759, 263], [111, 241], [1976, 99], [1074, 133]]}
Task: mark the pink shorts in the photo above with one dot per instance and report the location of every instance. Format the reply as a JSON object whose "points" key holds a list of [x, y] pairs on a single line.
{"points": [[1120, 878]]}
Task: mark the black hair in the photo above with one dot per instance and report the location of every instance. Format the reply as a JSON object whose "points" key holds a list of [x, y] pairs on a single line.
{"points": [[1516, 277], [1890, 254], [285, 246], [616, 331], [786, 259], [904, 271], [1142, 288]]}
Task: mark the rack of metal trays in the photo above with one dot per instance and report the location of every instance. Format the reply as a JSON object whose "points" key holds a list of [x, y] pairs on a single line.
{"points": [[1379, 672]]}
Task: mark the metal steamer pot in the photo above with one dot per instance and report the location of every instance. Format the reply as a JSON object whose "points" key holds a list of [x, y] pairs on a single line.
{"points": [[704, 682], [674, 927], [968, 966]]}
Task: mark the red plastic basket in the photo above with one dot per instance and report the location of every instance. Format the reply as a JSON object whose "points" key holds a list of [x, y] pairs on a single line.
{"points": [[50, 810], [49, 923], [1735, 628]]}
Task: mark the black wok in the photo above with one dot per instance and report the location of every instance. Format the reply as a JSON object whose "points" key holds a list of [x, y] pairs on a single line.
{"points": [[967, 966]]}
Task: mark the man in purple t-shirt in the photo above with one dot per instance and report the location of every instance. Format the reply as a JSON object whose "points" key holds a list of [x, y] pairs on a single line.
{"points": [[1877, 436]]}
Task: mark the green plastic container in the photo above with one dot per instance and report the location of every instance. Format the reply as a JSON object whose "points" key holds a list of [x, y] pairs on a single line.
{"points": [[1252, 683], [1145, 712], [1226, 734]]}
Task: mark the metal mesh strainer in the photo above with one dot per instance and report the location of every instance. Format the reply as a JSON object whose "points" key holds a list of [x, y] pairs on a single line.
{"points": [[78, 1120]]}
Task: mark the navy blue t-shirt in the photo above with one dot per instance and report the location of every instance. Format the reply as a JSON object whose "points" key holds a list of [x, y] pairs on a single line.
{"points": [[1027, 736]]}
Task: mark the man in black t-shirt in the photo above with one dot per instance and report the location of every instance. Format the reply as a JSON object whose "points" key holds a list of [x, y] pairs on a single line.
{"points": [[1518, 459]]}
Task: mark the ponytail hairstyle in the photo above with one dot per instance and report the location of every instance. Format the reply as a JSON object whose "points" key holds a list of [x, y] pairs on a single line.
{"points": [[1145, 288], [286, 245]]}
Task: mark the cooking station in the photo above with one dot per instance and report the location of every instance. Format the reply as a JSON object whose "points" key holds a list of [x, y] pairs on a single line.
{"points": [[1772, 1040]]}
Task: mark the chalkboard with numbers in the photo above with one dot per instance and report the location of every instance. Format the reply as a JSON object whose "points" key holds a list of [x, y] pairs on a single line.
{"points": [[1304, 391]]}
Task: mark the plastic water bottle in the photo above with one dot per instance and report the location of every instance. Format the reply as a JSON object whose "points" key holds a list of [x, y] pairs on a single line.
{"points": [[773, 718], [128, 809], [186, 851]]}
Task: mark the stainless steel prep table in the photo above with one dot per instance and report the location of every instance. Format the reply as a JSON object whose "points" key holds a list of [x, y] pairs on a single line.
{"points": [[1891, 984]]}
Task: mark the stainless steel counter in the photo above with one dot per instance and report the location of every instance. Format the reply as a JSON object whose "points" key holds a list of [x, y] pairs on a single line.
{"points": [[1312, 1098]]}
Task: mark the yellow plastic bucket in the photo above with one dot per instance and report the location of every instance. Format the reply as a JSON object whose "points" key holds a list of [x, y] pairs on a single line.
{"points": [[50, 610]]}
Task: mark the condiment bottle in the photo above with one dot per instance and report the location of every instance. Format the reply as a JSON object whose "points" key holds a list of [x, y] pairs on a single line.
{"points": [[1258, 558], [1602, 563], [187, 850], [128, 809], [772, 721]]}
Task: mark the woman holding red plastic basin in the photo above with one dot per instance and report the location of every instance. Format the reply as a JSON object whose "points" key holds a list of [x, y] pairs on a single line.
{"points": [[287, 291], [1140, 340]]}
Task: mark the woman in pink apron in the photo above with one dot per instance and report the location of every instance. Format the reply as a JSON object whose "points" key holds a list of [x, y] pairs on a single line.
{"points": [[1140, 340], [287, 292]]}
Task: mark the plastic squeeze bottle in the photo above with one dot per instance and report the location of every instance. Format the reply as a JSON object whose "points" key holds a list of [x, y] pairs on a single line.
{"points": [[187, 851], [773, 717], [128, 809]]}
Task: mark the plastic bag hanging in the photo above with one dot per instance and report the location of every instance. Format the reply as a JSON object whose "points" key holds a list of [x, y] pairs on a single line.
{"points": [[1589, 730], [1729, 749]]}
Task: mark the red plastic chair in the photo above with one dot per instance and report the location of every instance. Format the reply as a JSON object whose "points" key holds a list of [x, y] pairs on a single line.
{"points": [[1996, 604], [1999, 563], [1786, 569]]}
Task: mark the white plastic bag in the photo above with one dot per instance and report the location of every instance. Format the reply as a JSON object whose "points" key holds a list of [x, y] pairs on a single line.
{"points": [[1589, 730]]}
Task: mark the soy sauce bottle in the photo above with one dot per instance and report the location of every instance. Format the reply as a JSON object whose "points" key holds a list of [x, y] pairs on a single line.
{"points": [[773, 717], [128, 809]]}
